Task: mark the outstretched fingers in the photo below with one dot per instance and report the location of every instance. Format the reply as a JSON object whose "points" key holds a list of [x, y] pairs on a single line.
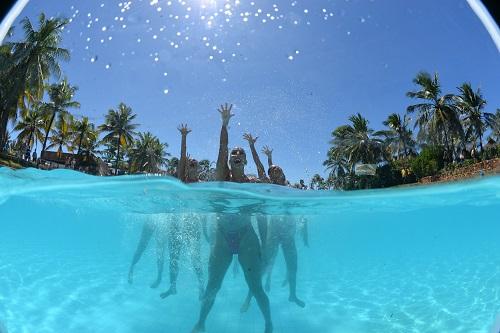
{"points": [[267, 151], [250, 138], [183, 129], [225, 111]]}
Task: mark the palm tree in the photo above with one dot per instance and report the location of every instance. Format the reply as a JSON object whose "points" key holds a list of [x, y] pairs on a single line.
{"points": [[91, 145], [337, 164], [31, 63], [493, 122], [30, 126], [120, 129], [61, 134], [148, 153], [172, 165], [357, 143], [471, 104], [8, 100], [83, 131], [339, 169], [398, 137], [437, 116], [61, 99], [317, 182], [206, 169]]}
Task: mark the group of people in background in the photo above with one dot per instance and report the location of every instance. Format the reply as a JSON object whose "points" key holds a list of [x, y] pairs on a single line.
{"points": [[230, 233]]}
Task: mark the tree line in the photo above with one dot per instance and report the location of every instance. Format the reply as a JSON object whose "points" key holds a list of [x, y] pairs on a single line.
{"points": [[38, 101], [451, 132], [35, 97]]}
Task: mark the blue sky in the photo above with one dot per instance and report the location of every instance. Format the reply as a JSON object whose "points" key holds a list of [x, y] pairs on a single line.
{"points": [[295, 70]]}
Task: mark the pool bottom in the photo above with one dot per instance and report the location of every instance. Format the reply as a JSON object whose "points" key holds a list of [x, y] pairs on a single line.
{"points": [[81, 293]]}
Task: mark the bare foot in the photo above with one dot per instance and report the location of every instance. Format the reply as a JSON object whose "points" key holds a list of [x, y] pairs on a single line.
{"points": [[297, 301], [169, 292], [198, 328], [155, 284]]}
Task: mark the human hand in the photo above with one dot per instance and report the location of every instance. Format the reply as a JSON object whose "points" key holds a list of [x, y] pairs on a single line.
{"points": [[184, 129], [251, 140], [225, 111], [267, 151]]}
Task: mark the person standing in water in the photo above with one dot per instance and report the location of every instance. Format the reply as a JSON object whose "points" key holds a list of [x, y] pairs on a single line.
{"points": [[234, 235], [187, 171], [281, 231], [152, 226], [185, 227]]}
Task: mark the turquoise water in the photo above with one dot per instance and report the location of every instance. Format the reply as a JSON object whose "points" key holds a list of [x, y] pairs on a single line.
{"points": [[421, 259]]}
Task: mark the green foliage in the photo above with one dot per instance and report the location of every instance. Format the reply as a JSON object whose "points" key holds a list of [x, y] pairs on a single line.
{"points": [[429, 162], [492, 151], [27, 65], [148, 154], [121, 131]]}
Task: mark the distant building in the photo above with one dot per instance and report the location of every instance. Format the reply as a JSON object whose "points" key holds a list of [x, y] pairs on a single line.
{"points": [[83, 162]]}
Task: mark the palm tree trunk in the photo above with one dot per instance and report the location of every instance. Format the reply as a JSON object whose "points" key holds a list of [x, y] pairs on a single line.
{"points": [[117, 156], [30, 138], [447, 146], [481, 141], [47, 133], [4, 119], [80, 144]]}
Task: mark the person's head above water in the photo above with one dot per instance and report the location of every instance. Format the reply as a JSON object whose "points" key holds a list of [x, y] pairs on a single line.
{"points": [[237, 158], [192, 171], [276, 175]]}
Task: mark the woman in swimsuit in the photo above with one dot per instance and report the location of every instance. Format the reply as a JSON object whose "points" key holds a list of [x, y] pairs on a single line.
{"points": [[234, 235], [280, 231]]}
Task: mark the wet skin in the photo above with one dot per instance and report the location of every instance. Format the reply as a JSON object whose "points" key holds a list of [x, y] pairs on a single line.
{"points": [[185, 227], [280, 231], [221, 255]]}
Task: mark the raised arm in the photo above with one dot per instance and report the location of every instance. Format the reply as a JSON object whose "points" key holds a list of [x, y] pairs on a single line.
{"points": [[260, 168], [222, 169], [181, 170], [269, 153]]}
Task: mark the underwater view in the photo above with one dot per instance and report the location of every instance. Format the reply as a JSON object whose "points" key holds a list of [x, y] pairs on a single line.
{"points": [[328, 166], [404, 260]]}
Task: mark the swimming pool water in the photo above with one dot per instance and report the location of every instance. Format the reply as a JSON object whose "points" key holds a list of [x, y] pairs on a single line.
{"points": [[419, 259]]}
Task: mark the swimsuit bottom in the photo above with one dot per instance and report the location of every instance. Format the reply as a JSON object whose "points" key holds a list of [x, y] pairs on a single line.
{"points": [[234, 237]]}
